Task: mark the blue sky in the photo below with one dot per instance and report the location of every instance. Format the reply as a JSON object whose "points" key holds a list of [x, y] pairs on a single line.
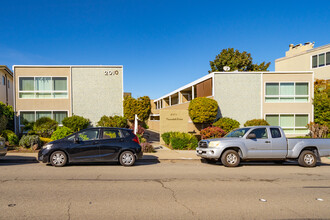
{"points": [[162, 45]]}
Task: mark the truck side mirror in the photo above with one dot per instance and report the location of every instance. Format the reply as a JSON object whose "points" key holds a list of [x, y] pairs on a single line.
{"points": [[251, 136]]}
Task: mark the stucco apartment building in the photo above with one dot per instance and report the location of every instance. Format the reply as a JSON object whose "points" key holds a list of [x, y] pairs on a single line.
{"points": [[281, 98], [304, 57], [6, 84], [61, 91]]}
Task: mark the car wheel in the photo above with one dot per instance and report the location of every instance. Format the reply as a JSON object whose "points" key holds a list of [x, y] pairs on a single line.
{"points": [[230, 158], [307, 159], [127, 158], [58, 159]]}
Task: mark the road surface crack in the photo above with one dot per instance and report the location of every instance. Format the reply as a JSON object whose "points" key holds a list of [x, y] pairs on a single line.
{"points": [[68, 211], [175, 198]]}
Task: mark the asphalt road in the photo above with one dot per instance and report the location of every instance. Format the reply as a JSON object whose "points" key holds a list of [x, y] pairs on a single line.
{"points": [[169, 190]]}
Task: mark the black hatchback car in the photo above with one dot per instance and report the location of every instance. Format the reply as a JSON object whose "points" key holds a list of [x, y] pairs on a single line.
{"points": [[101, 144]]}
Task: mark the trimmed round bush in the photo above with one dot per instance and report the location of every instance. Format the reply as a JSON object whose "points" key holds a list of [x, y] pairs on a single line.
{"points": [[6, 133], [203, 110], [227, 124], [212, 132], [13, 139], [45, 127], [28, 141], [76, 123], [61, 132], [255, 122]]}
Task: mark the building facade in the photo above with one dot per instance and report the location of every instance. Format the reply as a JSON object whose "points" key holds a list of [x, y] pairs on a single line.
{"points": [[306, 58], [6, 86], [61, 91], [281, 98]]}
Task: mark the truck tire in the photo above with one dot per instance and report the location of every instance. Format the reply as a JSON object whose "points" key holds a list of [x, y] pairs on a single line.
{"points": [[230, 158], [307, 158]]}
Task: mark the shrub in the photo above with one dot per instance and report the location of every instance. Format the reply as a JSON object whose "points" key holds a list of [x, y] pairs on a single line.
{"points": [[76, 123], [212, 132], [203, 110], [112, 121], [28, 141], [5, 133], [167, 137], [141, 139], [61, 132], [44, 127], [147, 148], [10, 136], [227, 124], [180, 140], [3, 122], [45, 140], [8, 112], [255, 122], [318, 131], [140, 129]]}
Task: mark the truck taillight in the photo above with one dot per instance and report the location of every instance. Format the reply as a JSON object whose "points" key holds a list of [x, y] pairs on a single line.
{"points": [[136, 139]]}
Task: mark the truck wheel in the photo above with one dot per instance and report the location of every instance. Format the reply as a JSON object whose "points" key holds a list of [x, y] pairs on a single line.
{"points": [[307, 159], [230, 158]]}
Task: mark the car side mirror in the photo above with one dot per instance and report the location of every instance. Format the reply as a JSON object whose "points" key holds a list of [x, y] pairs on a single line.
{"points": [[251, 136], [76, 140]]}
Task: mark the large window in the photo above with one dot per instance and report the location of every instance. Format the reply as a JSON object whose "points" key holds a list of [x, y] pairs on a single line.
{"points": [[287, 92], [291, 123], [32, 116], [320, 60], [43, 87]]}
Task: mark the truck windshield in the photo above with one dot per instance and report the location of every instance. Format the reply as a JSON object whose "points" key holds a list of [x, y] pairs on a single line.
{"points": [[238, 133]]}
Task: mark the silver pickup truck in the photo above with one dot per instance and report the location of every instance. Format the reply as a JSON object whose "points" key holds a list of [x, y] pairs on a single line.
{"points": [[262, 142]]}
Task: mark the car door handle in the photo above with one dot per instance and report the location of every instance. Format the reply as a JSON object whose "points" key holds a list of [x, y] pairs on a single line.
{"points": [[267, 142]]}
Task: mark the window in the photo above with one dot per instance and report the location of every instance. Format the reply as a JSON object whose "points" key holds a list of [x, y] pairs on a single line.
{"points": [[275, 132], [261, 133], [43, 87], [32, 116], [320, 60], [88, 135], [8, 83], [291, 123], [3, 80], [110, 134], [287, 92]]}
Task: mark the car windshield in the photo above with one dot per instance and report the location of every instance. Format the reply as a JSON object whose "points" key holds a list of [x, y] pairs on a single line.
{"points": [[238, 133]]}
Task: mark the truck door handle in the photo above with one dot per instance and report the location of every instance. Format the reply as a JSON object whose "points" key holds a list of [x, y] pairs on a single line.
{"points": [[267, 142]]}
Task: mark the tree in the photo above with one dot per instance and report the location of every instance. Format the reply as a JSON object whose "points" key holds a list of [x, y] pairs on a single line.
{"points": [[322, 102], [141, 107], [203, 110], [236, 61]]}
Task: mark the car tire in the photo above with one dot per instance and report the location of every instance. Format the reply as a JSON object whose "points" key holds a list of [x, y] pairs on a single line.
{"points": [[210, 161], [230, 158], [127, 158], [58, 159], [307, 159]]}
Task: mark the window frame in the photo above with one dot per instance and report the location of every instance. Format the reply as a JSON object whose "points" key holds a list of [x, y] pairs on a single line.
{"points": [[326, 53], [253, 129], [294, 128], [35, 115], [294, 96], [52, 91]]}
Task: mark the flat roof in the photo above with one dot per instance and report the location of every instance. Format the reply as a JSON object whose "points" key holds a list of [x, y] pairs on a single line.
{"points": [[211, 75], [94, 66], [304, 52], [4, 67]]}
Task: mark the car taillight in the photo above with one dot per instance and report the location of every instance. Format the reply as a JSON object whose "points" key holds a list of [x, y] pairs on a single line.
{"points": [[136, 139]]}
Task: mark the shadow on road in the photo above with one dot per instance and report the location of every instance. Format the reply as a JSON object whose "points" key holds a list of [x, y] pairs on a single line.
{"points": [[147, 160], [265, 163], [10, 160]]}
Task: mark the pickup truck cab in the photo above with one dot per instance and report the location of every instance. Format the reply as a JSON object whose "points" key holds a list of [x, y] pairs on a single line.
{"points": [[262, 143]]}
